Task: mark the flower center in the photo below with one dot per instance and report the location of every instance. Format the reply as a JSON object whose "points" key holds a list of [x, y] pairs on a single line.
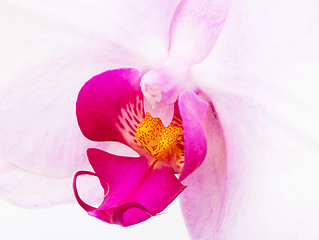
{"points": [[165, 144]]}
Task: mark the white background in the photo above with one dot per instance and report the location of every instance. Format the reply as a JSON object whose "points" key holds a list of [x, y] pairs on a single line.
{"points": [[71, 222]]}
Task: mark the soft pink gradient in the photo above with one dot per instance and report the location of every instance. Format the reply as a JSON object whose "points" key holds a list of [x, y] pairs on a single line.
{"points": [[194, 113], [262, 76], [195, 28], [203, 199]]}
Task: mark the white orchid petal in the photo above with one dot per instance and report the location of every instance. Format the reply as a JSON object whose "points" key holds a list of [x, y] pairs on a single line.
{"points": [[262, 77], [49, 50], [30, 190]]}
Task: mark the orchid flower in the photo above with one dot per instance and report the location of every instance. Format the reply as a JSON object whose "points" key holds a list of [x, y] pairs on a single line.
{"points": [[110, 107], [259, 71]]}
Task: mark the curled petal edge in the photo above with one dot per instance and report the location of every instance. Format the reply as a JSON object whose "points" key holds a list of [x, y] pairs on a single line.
{"points": [[118, 213], [194, 113], [84, 205]]}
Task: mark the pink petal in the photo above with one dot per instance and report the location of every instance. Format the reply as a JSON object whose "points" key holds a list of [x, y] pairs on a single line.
{"points": [[202, 200], [134, 191], [110, 30], [105, 100], [195, 28], [194, 113], [39, 132], [49, 51], [262, 78], [122, 174]]}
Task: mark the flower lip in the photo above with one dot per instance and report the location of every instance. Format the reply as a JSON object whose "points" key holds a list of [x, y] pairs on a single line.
{"points": [[136, 191]]}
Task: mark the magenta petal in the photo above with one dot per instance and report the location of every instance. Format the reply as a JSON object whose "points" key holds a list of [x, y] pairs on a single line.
{"points": [[194, 113], [159, 188], [138, 213], [122, 174], [134, 190], [101, 101]]}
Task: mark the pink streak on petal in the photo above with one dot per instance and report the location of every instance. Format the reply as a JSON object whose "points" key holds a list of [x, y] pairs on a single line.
{"points": [[203, 199], [100, 102], [195, 28], [194, 113], [131, 180]]}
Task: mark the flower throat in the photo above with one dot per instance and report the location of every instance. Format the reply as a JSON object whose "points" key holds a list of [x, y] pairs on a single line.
{"points": [[164, 144]]}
